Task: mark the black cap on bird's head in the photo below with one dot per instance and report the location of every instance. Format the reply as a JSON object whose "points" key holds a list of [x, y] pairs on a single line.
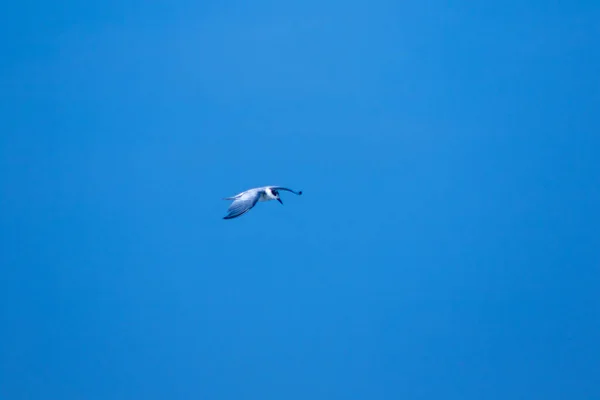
{"points": [[274, 190], [276, 194]]}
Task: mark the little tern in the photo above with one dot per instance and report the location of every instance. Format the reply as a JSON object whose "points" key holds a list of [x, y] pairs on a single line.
{"points": [[243, 202]]}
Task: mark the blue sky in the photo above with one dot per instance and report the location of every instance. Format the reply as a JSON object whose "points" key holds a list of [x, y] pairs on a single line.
{"points": [[445, 247]]}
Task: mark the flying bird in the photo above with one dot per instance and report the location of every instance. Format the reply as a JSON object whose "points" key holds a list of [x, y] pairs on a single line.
{"points": [[243, 202]]}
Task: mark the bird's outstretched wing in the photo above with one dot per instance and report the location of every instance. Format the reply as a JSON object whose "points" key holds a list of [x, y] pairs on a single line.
{"points": [[242, 204], [286, 189]]}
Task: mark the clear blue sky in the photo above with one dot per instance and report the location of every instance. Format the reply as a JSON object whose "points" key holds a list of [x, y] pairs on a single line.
{"points": [[446, 245]]}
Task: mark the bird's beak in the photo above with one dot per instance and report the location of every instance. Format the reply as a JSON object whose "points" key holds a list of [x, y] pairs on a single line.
{"points": [[279, 200]]}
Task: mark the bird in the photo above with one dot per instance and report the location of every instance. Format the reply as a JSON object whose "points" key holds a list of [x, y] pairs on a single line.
{"points": [[243, 202]]}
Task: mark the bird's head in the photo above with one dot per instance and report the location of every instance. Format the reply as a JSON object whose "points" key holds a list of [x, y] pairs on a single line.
{"points": [[275, 194]]}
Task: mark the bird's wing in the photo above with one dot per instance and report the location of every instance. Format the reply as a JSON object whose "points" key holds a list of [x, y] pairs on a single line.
{"points": [[286, 189], [242, 204], [244, 193]]}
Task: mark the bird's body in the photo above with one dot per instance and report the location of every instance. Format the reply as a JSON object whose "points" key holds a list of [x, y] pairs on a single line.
{"points": [[243, 202]]}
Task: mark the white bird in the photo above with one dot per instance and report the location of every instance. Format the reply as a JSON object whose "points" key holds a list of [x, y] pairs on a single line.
{"points": [[243, 202]]}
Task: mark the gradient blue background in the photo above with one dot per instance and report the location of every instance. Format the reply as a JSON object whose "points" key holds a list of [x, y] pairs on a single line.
{"points": [[446, 246]]}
